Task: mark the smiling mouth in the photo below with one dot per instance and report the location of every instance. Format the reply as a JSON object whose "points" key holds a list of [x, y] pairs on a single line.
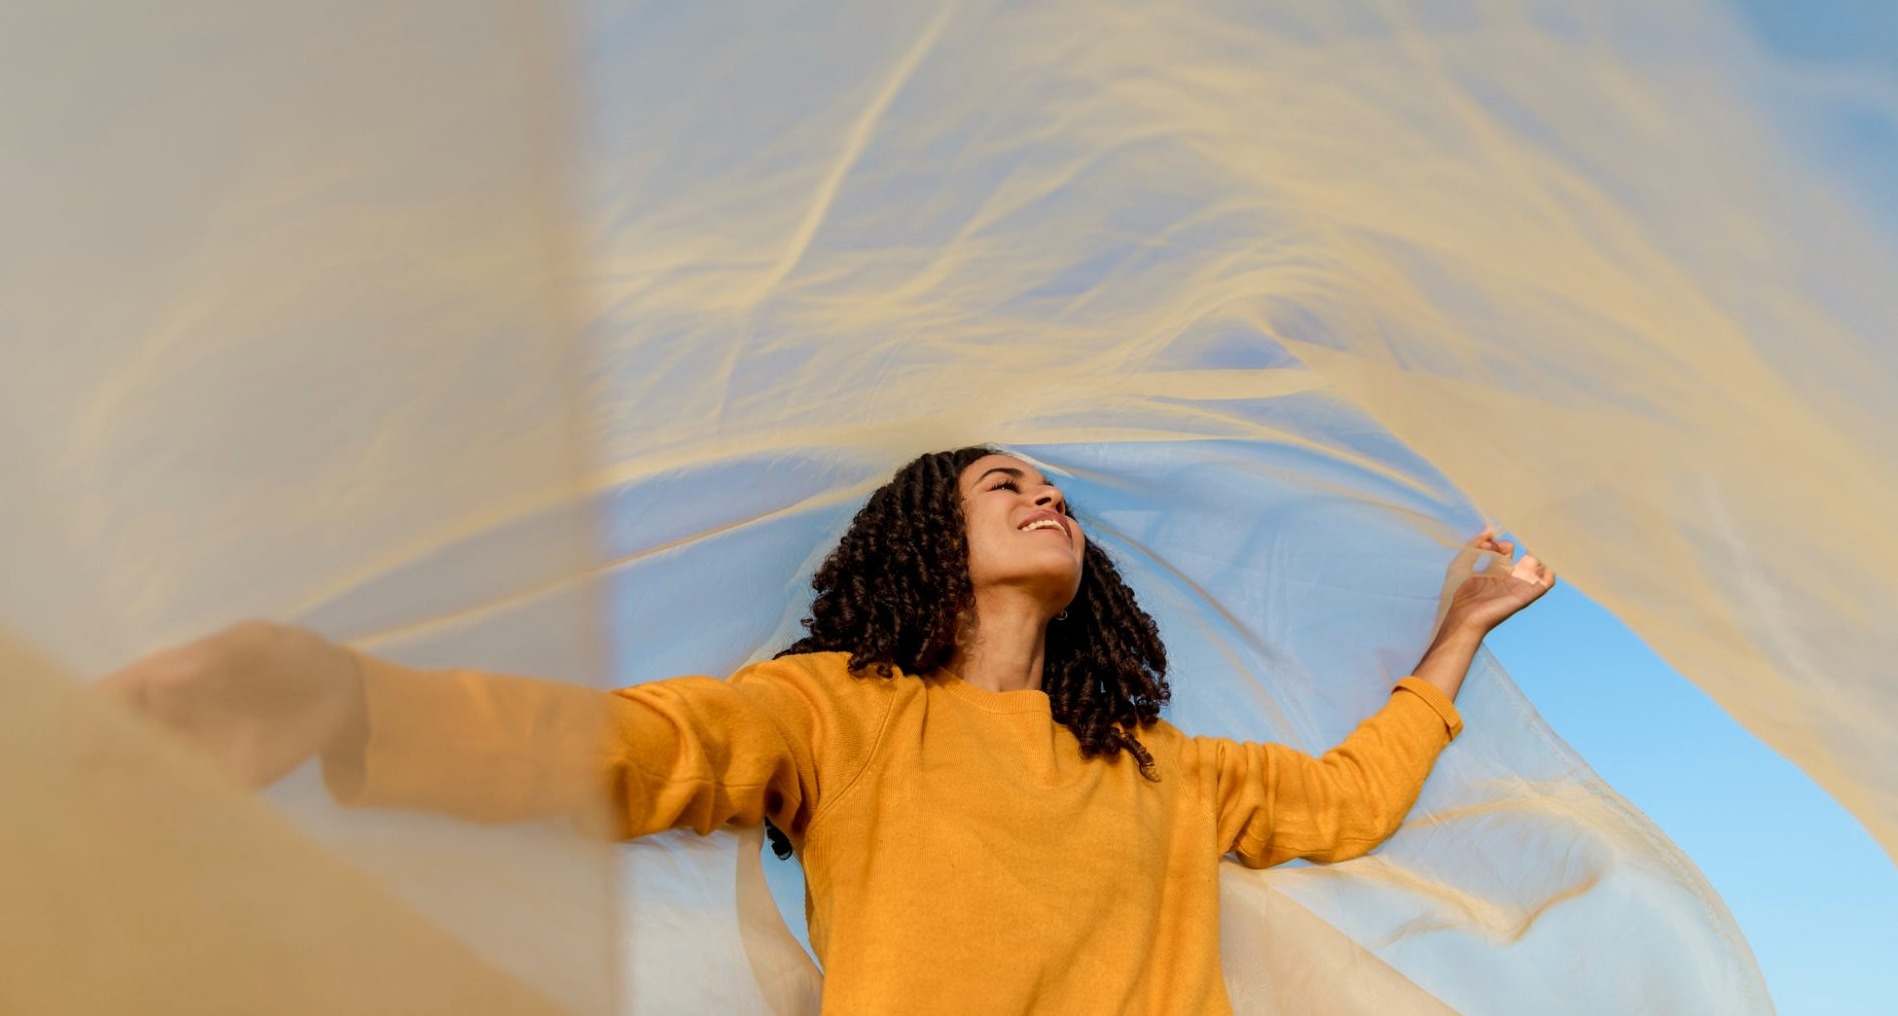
{"points": [[1048, 522]]}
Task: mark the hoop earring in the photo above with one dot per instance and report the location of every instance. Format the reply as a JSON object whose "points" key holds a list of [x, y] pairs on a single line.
{"points": [[1063, 616]]}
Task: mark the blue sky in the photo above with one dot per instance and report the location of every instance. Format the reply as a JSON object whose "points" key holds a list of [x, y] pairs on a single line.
{"points": [[1854, 141], [1816, 897]]}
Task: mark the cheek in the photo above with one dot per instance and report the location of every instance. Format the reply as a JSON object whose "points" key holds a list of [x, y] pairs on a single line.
{"points": [[981, 544]]}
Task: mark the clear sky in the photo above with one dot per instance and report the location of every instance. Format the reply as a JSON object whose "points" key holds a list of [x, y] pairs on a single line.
{"points": [[1815, 895], [1854, 41]]}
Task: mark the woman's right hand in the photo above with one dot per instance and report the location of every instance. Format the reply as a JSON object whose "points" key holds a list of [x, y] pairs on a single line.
{"points": [[259, 698]]}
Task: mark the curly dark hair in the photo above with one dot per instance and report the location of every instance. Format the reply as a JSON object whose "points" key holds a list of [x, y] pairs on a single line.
{"points": [[896, 591]]}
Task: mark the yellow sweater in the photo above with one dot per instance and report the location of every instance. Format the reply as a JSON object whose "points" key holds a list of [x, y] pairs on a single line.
{"points": [[961, 856]]}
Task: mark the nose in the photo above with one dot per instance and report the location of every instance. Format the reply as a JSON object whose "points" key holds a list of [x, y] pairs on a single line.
{"points": [[1050, 497]]}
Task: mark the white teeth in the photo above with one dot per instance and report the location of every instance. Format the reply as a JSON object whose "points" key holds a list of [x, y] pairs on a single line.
{"points": [[1040, 524]]}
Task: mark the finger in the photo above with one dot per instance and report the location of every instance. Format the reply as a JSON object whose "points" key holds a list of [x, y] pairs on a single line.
{"points": [[1467, 554], [142, 683], [126, 686], [1502, 556]]}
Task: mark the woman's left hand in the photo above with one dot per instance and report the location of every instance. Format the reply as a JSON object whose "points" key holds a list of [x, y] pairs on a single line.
{"points": [[1485, 599]]}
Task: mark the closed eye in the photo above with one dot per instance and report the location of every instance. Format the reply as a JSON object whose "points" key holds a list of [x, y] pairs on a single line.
{"points": [[1015, 485]]}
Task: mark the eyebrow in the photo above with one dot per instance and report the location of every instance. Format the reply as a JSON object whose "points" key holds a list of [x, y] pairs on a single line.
{"points": [[1010, 470]]}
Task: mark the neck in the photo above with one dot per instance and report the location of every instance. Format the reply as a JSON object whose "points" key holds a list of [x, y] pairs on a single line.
{"points": [[1003, 650]]}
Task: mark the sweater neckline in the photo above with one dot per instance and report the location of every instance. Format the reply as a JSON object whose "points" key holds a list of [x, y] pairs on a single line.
{"points": [[1025, 700]]}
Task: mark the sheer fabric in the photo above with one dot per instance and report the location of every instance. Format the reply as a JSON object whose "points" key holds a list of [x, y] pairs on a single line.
{"points": [[566, 340]]}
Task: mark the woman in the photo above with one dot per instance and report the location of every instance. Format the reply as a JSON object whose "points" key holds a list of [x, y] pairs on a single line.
{"points": [[966, 752]]}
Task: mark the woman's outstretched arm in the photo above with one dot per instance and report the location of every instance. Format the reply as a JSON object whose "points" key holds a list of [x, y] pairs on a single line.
{"points": [[262, 699], [1273, 803], [688, 752]]}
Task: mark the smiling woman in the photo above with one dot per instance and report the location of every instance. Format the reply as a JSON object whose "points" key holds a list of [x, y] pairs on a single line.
{"points": [[954, 721], [954, 538]]}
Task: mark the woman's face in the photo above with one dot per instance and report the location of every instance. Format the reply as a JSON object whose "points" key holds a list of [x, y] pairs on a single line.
{"points": [[1019, 530]]}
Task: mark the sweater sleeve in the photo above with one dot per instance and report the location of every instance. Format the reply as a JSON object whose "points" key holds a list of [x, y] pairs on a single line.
{"points": [[691, 752], [1272, 803]]}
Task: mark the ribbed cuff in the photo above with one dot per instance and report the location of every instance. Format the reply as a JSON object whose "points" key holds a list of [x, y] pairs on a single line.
{"points": [[1437, 700], [346, 773], [423, 727]]}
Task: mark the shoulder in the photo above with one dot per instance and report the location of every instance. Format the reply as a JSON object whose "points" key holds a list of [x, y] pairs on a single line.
{"points": [[826, 677], [1196, 753], [818, 701], [1166, 741], [819, 668]]}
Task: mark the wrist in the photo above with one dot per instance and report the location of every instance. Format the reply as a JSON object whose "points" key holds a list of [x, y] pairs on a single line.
{"points": [[1461, 627], [351, 734], [1447, 662]]}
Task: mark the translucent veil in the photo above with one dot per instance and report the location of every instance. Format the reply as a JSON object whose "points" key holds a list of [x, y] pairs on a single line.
{"points": [[564, 341]]}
